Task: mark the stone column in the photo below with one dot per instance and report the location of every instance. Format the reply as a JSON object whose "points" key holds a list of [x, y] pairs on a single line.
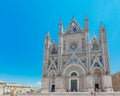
{"points": [[45, 85], [59, 84], [89, 83], [107, 83]]}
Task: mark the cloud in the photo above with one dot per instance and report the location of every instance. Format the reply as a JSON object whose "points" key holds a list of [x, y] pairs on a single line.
{"points": [[39, 84]]}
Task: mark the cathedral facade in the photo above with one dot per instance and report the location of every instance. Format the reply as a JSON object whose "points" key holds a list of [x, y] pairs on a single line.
{"points": [[76, 63]]}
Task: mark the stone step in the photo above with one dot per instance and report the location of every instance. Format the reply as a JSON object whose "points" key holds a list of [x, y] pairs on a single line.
{"points": [[75, 94]]}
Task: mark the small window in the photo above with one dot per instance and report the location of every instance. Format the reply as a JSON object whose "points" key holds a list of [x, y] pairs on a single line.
{"points": [[101, 60], [96, 65], [73, 74], [54, 51]]}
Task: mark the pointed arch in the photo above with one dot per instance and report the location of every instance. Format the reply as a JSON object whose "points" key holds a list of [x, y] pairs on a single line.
{"points": [[51, 73], [71, 66], [94, 44], [96, 61], [74, 59], [97, 74], [94, 39], [73, 27], [54, 48], [52, 66]]}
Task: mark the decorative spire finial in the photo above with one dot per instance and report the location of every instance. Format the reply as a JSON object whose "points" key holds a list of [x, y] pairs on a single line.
{"points": [[101, 25], [86, 24], [48, 34], [60, 26], [73, 18], [60, 21], [86, 17]]}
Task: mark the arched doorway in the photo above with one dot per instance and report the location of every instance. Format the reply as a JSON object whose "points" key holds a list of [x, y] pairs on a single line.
{"points": [[73, 81], [97, 79], [52, 77], [74, 76], [53, 83]]}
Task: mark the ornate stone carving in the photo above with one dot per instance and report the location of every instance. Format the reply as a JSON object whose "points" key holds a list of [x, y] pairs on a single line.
{"points": [[75, 52]]}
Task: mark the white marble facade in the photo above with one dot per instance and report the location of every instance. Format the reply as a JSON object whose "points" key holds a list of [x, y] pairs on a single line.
{"points": [[76, 63]]}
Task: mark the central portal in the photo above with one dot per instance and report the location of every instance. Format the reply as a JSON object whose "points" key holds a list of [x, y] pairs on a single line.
{"points": [[53, 88], [96, 87], [73, 85]]}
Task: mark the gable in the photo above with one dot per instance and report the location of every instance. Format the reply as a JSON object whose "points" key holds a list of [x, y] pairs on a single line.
{"points": [[74, 59], [52, 66], [94, 40], [73, 27], [96, 63], [94, 44]]}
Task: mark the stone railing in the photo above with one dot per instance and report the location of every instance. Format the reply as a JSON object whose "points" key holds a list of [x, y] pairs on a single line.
{"points": [[74, 94]]}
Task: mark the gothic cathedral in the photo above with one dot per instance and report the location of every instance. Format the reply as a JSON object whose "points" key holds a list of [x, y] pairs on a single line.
{"points": [[76, 63]]}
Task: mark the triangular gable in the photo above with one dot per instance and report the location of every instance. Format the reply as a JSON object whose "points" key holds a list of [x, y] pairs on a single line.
{"points": [[74, 59], [96, 60], [94, 39], [52, 66], [73, 27], [54, 44], [94, 44], [54, 48]]}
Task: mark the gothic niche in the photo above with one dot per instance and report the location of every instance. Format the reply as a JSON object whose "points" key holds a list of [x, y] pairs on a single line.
{"points": [[94, 46], [54, 48], [53, 51], [83, 45]]}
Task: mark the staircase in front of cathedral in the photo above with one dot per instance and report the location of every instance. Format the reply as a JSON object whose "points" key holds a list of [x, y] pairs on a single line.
{"points": [[74, 94]]}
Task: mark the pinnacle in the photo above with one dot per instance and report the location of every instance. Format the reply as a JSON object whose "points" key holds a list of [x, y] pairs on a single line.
{"points": [[48, 34], [60, 21]]}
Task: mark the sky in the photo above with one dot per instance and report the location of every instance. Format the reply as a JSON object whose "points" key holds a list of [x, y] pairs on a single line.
{"points": [[25, 23]]}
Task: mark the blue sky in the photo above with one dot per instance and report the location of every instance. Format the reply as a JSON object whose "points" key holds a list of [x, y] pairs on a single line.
{"points": [[24, 24]]}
